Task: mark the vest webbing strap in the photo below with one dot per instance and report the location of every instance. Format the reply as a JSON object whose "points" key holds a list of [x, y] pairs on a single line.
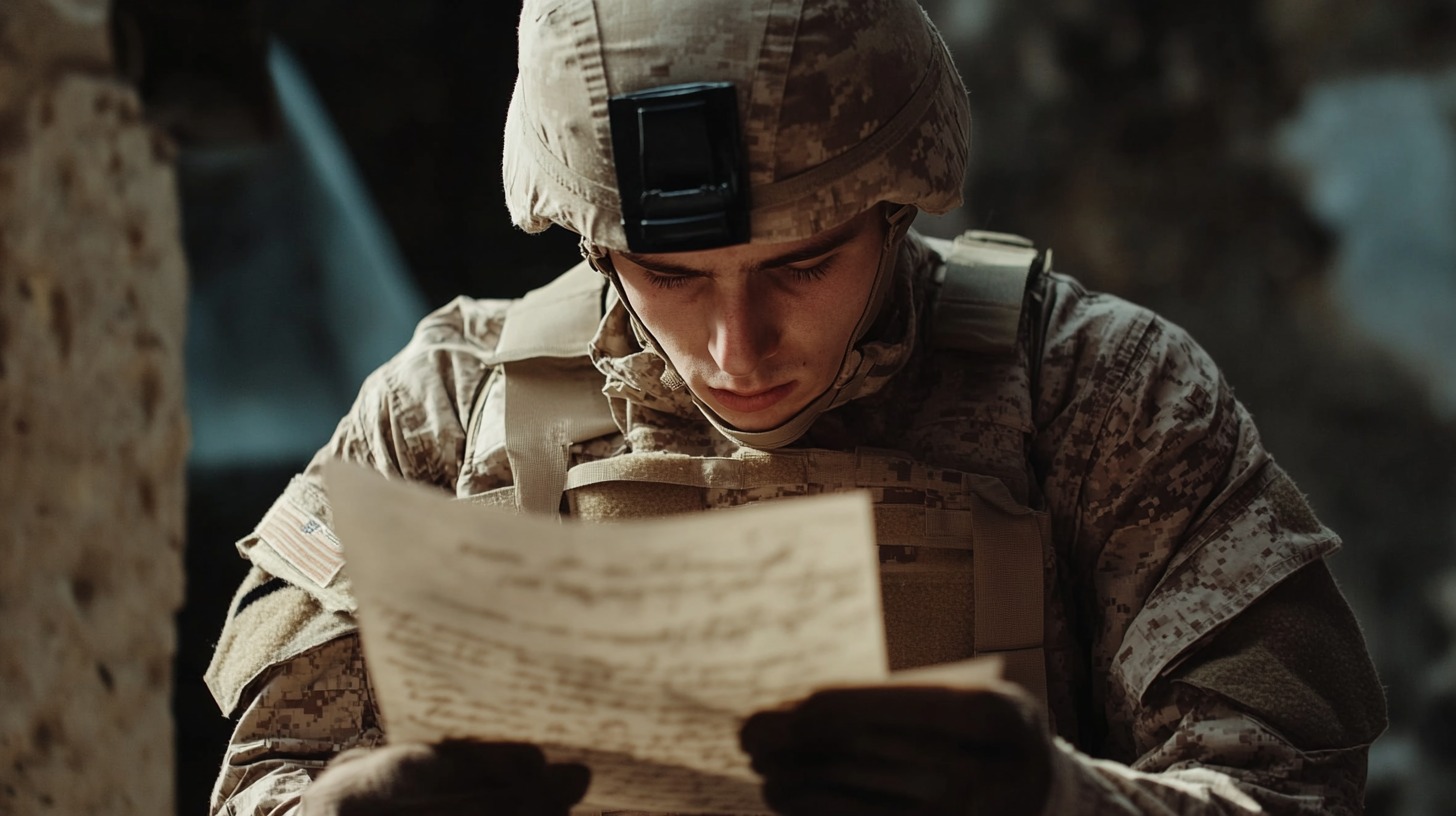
{"points": [[794, 466], [1026, 668], [550, 405], [1009, 602], [553, 395], [906, 525]]}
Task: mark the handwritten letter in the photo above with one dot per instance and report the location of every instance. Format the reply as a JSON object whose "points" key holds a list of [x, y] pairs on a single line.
{"points": [[635, 648]]}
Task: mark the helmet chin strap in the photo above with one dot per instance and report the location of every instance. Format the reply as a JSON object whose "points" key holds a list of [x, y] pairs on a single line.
{"points": [[853, 366]]}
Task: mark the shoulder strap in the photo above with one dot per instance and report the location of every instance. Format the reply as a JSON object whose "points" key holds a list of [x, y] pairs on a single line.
{"points": [[553, 395], [988, 280], [557, 320], [983, 286]]}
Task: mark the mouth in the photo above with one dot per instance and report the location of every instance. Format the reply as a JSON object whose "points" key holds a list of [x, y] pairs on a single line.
{"points": [[748, 403]]}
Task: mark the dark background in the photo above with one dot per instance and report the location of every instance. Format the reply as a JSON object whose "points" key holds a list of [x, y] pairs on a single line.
{"points": [[1268, 174]]}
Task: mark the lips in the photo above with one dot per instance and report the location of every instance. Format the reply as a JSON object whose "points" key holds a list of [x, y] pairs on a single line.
{"points": [[748, 403]]}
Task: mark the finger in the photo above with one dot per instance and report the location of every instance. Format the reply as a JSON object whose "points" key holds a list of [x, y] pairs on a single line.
{"points": [[565, 784], [449, 769], [542, 790], [842, 721], [363, 774], [883, 746], [491, 764], [778, 738], [906, 784], [972, 788], [986, 717], [767, 732], [791, 800], [351, 755]]}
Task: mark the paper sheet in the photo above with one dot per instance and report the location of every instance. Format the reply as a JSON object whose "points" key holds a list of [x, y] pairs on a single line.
{"points": [[635, 648]]}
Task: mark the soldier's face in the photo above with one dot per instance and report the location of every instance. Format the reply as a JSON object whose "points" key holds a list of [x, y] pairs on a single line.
{"points": [[758, 330]]}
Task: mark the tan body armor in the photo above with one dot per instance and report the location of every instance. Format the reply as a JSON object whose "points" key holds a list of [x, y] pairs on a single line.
{"points": [[961, 558]]}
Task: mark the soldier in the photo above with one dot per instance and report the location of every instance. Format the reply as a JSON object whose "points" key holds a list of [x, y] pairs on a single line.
{"points": [[1061, 478]]}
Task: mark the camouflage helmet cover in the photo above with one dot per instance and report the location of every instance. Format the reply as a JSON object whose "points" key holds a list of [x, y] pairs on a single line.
{"points": [[843, 104]]}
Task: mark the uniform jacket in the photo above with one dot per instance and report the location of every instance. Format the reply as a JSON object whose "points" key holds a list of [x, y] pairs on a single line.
{"points": [[1199, 657]]}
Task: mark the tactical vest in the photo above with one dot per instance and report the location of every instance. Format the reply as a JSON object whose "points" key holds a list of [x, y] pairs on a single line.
{"points": [[961, 559]]}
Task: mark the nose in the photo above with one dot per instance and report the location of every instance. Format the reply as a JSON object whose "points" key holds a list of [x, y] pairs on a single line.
{"points": [[744, 334]]}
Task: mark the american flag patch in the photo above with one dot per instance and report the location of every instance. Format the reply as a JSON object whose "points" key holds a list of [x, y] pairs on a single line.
{"points": [[303, 541]]}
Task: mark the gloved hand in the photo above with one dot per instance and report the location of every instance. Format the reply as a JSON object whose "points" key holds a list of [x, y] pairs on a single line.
{"points": [[900, 750], [451, 778]]}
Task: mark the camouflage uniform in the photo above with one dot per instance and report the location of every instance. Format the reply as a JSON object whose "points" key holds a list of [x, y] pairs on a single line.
{"points": [[1199, 656]]}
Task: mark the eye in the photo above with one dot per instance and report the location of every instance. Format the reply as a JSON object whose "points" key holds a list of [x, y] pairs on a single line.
{"points": [[663, 281], [809, 273]]}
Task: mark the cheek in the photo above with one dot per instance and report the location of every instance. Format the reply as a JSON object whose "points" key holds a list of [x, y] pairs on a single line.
{"points": [[821, 322], [667, 315], [840, 306], [833, 342]]}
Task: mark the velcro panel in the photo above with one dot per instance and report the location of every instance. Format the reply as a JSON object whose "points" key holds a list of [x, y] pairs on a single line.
{"points": [[918, 526], [978, 307], [270, 622], [930, 613], [710, 472], [616, 501], [1296, 659]]}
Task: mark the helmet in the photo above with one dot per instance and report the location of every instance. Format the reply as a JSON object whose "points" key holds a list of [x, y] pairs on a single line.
{"points": [[667, 125], [842, 104]]}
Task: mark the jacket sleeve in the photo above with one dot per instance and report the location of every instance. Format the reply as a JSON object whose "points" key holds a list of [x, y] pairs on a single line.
{"points": [[1274, 714], [1194, 564], [288, 662], [299, 714]]}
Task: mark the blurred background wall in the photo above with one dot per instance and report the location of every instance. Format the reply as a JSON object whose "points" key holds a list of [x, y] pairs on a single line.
{"points": [[92, 432], [1277, 175]]}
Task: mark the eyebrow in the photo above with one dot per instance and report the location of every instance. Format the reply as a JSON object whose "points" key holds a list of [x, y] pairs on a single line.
{"points": [[821, 244]]}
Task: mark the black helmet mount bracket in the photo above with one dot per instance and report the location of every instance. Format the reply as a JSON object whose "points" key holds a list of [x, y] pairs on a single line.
{"points": [[680, 163]]}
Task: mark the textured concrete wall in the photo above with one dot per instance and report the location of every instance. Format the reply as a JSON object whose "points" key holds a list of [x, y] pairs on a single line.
{"points": [[92, 430]]}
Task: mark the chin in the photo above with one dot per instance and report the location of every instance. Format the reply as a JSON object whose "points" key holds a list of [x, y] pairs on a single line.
{"points": [[753, 423], [759, 421]]}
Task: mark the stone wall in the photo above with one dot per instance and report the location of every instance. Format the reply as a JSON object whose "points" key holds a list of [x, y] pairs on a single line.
{"points": [[92, 429]]}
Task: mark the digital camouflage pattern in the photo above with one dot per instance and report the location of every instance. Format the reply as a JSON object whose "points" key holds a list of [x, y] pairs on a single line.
{"points": [[1172, 528], [307, 710], [829, 131]]}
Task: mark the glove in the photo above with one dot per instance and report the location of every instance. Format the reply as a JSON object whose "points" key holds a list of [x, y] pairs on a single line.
{"points": [[900, 750], [452, 778]]}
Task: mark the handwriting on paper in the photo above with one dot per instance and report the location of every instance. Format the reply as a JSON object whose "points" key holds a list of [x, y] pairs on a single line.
{"points": [[637, 648]]}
